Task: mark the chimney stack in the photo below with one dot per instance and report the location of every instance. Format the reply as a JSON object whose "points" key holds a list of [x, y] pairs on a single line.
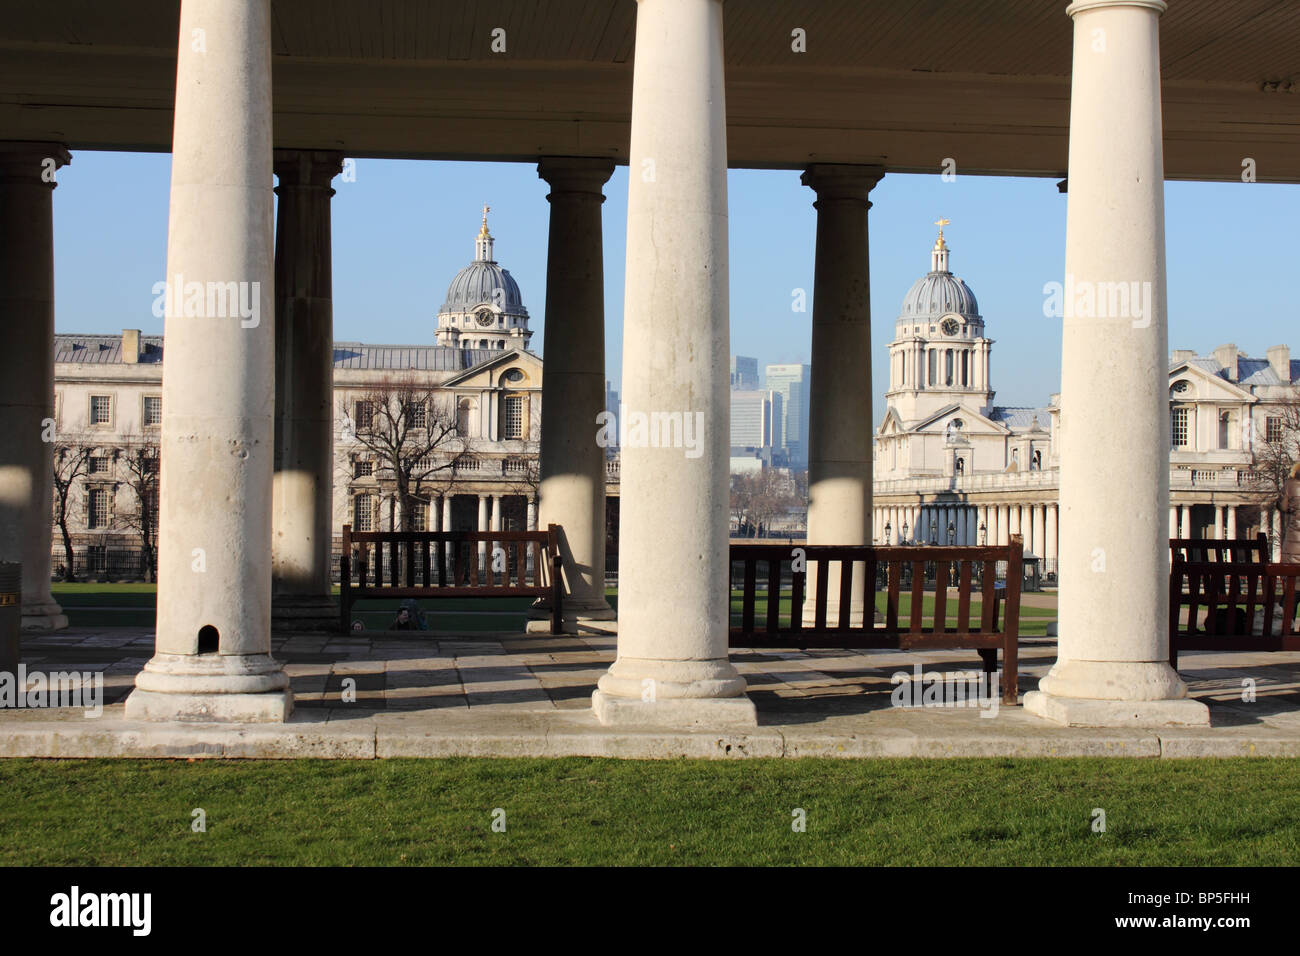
{"points": [[1279, 357], [1182, 355], [1226, 356], [131, 346]]}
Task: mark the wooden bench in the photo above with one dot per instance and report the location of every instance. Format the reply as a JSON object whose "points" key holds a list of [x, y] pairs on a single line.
{"points": [[1222, 599], [996, 627], [1234, 550], [435, 564]]}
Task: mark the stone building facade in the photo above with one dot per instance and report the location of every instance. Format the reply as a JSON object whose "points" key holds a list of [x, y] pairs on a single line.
{"points": [[951, 466], [480, 384]]}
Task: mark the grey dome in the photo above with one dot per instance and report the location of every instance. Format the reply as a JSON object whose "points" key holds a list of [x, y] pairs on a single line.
{"points": [[936, 294], [477, 283]]}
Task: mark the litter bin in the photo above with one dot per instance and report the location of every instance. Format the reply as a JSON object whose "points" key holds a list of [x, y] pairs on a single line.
{"points": [[11, 615]]}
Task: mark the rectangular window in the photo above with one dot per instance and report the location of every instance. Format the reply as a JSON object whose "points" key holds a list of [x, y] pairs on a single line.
{"points": [[1272, 429], [420, 514], [152, 410], [416, 415], [97, 465], [365, 415], [363, 469], [1178, 427], [101, 410], [363, 517], [151, 465], [514, 425], [98, 508], [151, 506]]}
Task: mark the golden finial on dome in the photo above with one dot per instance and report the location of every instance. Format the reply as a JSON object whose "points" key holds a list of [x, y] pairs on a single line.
{"points": [[484, 230], [941, 222]]}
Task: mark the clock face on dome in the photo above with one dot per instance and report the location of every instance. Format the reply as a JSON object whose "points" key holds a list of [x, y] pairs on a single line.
{"points": [[484, 318], [949, 325]]}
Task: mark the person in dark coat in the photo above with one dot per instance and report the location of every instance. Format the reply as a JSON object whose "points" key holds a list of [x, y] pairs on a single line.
{"points": [[1289, 504]]}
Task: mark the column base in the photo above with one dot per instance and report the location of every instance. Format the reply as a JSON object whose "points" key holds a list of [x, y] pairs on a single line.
{"points": [[46, 616], [270, 708], [1081, 712], [304, 613], [235, 688], [685, 713], [577, 619]]}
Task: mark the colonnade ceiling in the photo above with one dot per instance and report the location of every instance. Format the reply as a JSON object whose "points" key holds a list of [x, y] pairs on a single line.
{"points": [[900, 83]]}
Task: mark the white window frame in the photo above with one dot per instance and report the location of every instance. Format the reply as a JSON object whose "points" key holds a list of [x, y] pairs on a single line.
{"points": [[90, 410]]}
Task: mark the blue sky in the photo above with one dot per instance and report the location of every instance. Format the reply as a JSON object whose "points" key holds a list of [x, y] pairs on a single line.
{"points": [[404, 228]]}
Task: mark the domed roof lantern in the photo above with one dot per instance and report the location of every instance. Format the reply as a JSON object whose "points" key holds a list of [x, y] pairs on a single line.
{"points": [[483, 241]]}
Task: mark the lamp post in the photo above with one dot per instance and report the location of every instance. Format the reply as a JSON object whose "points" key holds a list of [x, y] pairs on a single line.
{"points": [[934, 531], [889, 530], [984, 534], [904, 538]]}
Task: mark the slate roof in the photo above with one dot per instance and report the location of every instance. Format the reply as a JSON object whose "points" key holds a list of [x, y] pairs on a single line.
{"points": [[107, 350], [1021, 418], [1251, 372], [104, 349], [434, 358]]}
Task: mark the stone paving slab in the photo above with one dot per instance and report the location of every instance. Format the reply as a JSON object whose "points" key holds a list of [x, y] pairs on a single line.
{"points": [[506, 694]]}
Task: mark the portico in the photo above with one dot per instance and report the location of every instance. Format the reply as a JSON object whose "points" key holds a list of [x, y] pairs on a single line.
{"points": [[691, 106]]}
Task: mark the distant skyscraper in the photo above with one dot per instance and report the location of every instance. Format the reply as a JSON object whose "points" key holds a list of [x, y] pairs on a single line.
{"points": [[744, 373], [611, 406], [755, 419], [791, 381]]}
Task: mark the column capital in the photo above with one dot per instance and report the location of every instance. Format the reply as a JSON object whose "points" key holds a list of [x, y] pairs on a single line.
{"points": [[24, 162], [307, 167], [832, 181], [576, 174], [1082, 6]]}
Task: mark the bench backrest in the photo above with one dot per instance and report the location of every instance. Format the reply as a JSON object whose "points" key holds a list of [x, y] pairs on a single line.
{"points": [[965, 568], [1236, 550], [1223, 599], [517, 562]]}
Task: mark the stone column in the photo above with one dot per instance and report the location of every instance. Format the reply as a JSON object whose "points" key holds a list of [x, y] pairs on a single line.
{"points": [[839, 429], [572, 489], [1232, 521], [1173, 521], [496, 513], [1036, 531], [1111, 671], [1275, 538], [27, 432], [302, 487], [446, 512], [1218, 522], [532, 520], [673, 667], [1049, 538], [213, 658]]}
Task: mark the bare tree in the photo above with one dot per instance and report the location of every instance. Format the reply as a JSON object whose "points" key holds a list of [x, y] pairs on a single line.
{"points": [[140, 457], [758, 498], [71, 463], [410, 432], [1275, 452]]}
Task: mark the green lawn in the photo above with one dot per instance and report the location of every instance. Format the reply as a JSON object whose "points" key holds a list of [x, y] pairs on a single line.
{"points": [[122, 605], [587, 811], [1033, 620]]}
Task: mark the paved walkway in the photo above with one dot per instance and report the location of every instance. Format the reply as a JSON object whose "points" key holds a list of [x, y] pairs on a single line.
{"points": [[511, 694]]}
